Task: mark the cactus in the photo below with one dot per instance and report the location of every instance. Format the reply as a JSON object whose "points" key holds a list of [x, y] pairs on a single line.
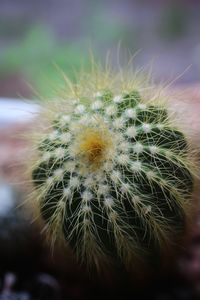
{"points": [[113, 174]]}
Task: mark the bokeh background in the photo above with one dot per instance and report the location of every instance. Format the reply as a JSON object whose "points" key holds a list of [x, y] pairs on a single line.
{"points": [[36, 34], [37, 37]]}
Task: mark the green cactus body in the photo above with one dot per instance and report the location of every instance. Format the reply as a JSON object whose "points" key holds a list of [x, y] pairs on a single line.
{"points": [[112, 178]]}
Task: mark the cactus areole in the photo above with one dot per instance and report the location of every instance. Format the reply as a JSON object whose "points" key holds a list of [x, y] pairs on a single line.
{"points": [[112, 177]]}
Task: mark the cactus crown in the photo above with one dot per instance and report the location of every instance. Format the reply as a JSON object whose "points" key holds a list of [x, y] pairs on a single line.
{"points": [[112, 175]]}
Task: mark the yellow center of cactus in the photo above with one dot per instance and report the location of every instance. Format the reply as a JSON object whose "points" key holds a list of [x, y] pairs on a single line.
{"points": [[93, 146]]}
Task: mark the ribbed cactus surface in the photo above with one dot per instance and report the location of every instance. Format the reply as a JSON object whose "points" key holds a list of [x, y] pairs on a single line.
{"points": [[112, 177]]}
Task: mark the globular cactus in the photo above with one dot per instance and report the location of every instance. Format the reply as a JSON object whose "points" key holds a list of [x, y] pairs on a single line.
{"points": [[112, 174]]}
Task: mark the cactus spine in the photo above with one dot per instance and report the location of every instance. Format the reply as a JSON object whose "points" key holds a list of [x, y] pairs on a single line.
{"points": [[112, 174]]}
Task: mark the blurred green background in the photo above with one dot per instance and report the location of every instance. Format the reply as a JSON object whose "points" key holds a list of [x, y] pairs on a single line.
{"points": [[36, 35]]}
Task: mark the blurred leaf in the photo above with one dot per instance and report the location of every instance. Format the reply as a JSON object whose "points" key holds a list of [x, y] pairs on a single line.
{"points": [[36, 55]]}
